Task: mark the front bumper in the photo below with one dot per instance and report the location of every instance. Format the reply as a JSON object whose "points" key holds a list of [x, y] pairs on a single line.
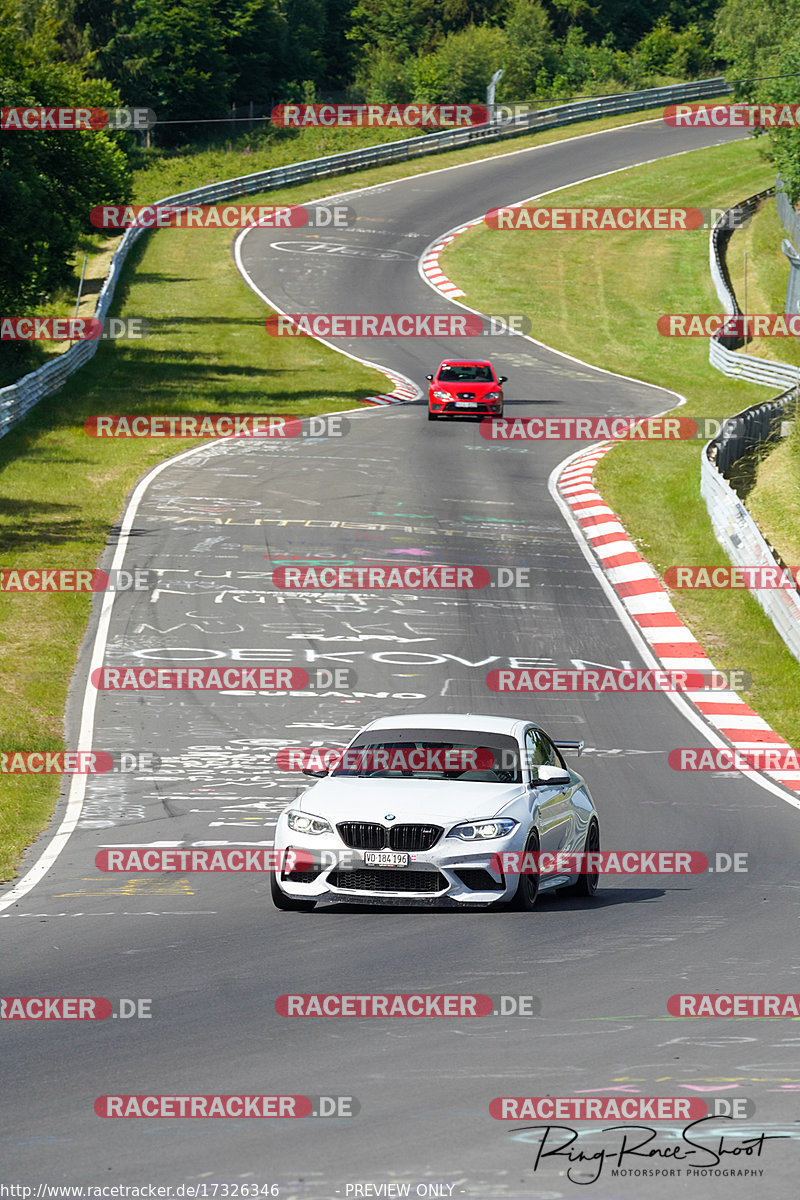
{"points": [[451, 872], [447, 408]]}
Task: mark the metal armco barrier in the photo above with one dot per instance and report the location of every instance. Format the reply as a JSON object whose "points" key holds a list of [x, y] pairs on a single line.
{"points": [[720, 349], [738, 534], [757, 426], [788, 215], [20, 397], [734, 528], [791, 223]]}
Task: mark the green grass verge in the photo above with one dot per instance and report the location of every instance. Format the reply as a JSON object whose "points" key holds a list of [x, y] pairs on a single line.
{"points": [[62, 491], [597, 296], [166, 173], [759, 273], [774, 500]]}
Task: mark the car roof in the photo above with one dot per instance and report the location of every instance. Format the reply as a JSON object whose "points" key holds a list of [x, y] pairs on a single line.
{"points": [[464, 362], [480, 722]]}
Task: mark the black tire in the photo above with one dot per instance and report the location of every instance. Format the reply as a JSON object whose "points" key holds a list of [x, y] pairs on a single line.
{"points": [[528, 885], [433, 416], [288, 903], [587, 885]]}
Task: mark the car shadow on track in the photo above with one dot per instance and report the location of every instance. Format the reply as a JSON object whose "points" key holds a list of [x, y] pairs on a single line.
{"points": [[548, 903]]}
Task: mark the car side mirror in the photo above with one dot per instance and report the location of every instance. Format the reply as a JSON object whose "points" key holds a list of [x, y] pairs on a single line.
{"points": [[551, 775], [502, 379], [429, 377], [315, 774]]}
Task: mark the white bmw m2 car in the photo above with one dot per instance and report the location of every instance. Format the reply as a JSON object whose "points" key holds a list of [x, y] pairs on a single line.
{"points": [[421, 808]]}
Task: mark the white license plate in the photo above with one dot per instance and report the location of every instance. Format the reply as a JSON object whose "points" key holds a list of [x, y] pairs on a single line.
{"points": [[385, 858], [464, 404]]}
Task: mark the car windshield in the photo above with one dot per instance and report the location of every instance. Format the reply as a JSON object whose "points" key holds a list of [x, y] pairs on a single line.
{"points": [[466, 755], [466, 374]]}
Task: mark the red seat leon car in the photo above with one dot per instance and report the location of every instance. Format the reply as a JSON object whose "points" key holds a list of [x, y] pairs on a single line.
{"points": [[465, 388]]}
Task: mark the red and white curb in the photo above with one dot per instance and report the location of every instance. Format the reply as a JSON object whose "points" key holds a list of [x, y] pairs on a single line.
{"points": [[403, 391], [430, 262], [648, 605]]}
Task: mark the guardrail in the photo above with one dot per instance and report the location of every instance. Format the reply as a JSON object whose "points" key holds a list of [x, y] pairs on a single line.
{"points": [[738, 534], [789, 215], [758, 425], [19, 398]]}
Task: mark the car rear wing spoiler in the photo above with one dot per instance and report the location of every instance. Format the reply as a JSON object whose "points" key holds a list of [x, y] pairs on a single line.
{"points": [[576, 746]]}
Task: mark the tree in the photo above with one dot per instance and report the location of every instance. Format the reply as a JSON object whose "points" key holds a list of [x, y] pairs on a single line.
{"points": [[667, 51], [530, 48], [761, 42], [50, 180], [408, 27], [753, 37], [460, 69], [172, 58]]}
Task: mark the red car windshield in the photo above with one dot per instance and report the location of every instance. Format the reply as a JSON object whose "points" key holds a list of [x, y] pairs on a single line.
{"points": [[466, 374]]}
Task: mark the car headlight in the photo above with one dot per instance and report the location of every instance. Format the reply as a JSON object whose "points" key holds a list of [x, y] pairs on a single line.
{"points": [[483, 831], [492, 396], [300, 822], [441, 395]]}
